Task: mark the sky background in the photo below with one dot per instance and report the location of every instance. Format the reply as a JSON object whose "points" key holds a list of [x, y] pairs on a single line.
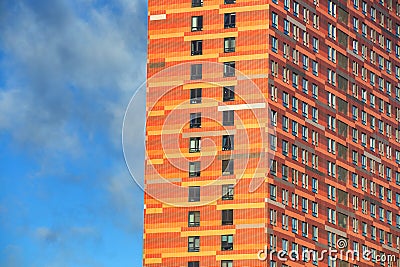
{"points": [[68, 69]]}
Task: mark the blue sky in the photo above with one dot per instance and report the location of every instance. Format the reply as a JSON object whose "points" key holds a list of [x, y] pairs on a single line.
{"points": [[68, 69]]}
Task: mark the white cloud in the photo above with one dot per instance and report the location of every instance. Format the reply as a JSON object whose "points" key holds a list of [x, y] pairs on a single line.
{"points": [[69, 69]]}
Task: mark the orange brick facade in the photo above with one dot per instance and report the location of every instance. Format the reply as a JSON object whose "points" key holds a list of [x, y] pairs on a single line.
{"points": [[298, 100]]}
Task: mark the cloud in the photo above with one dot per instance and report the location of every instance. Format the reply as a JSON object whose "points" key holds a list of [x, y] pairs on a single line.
{"points": [[69, 69], [127, 198]]}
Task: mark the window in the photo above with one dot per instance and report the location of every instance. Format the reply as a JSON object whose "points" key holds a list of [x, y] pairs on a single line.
{"points": [[229, 69], [295, 152], [331, 31], [227, 242], [295, 80], [194, 169], [197, 47], [305, 62], [364, 7], [295, 128], [229, 20], [331, 8], [286, 5], [229, 44], [286, 27], [285, 123], [197, 23], [228, 117], [315, 67], [194, 144], [315, 209], [227, 217], [195, 120], [315, 44], [272, 192], [228, 93], [193, 264], [331, 54], [355, 24], [194, 243], [227, 167], [227, 191], [195, 96], [196, 71], [229, 2], [314, 114], [296, 8], [295, 225], [227, 142], [315, 21], [304, 205], [275, 19], [314, 185], [197, 3], [226, 263], [194, 218], [194, 193], [274, 44], [331, 216], [315, 91], [331, 77]]}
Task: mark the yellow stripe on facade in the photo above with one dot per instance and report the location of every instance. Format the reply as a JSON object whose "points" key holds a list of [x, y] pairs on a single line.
{"points": [[167, 35], [209, 232], [190, 58], [188, 254], [162, 230], [156, 113], [155, 161], [154, 210], [152, 260], [210, 36]]}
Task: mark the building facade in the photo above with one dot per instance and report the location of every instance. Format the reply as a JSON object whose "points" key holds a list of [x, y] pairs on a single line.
{"points": [[273, 126]]}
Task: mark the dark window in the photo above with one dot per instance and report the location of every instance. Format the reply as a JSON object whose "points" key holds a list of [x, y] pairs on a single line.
{"points": [[229, 69], [228, 118], [194, 193], [229, 93], [194, 169], [194, 144], [197, 47], [227, 167], [227, 217], [228, 263], [195, 120], [227, 142], [194, 218], [195, 95], [227, 191], [197, 3], [230, 20], [196, 71], [230, 1], [194, 243], [197, 23], [193, 264], [227, 242], [229, 44]]}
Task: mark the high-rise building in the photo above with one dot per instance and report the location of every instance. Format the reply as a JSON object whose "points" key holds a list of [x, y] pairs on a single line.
{"points": [[273, 129]]}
